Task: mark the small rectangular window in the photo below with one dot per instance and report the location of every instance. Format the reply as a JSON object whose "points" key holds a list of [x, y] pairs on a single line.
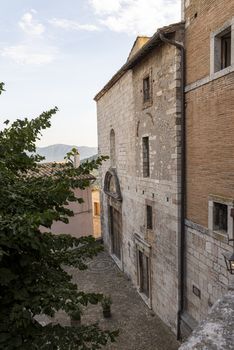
{"points": [[146, 89], [222, 49], [226, 50], [96, 209], [220, 217], [149, 217], [146, 162]]}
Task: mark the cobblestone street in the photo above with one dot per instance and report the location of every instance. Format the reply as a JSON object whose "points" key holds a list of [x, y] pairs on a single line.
{"points": [[139, 328]]}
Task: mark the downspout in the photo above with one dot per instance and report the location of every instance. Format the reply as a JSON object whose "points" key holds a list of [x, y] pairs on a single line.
{"points": [[181, 238]]}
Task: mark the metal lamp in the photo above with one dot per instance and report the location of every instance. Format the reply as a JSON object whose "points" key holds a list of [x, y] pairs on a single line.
{"points": [[229, 259]]}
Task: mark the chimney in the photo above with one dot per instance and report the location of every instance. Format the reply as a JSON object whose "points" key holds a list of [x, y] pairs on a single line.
{"points": [[182, 10], [76, 160]]}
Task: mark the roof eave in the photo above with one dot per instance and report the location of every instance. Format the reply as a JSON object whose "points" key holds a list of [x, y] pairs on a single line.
{"points": [[152, 43]]}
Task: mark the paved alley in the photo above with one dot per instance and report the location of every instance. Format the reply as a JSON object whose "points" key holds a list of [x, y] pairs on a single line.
{"points": [[139, 328]]}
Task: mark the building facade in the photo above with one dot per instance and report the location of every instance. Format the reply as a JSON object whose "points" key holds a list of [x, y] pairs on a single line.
{"points": [[82, 223], [139, 127], [168, 189], [209, 97]]}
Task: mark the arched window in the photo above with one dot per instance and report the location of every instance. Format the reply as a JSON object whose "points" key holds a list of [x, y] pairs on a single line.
{"points": [[112, 148]]}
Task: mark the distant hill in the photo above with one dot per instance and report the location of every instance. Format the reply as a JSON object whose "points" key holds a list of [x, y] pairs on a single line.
{"points": [[56, 153], [94, 157]]}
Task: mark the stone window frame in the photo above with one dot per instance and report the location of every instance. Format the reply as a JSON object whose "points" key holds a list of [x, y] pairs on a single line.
{"points": [[145, 160], [142, 246], [212, 74], [149, 202], [215, 50], [149, 217], [147, 103], [146, 89], [229, 202], [112, 148]]}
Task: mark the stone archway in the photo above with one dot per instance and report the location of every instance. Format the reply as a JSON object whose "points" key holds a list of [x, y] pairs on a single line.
{"points": [[111, 185]]}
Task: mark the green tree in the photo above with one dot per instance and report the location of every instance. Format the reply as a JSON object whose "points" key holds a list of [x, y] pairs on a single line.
{"points": [[32, 278]]}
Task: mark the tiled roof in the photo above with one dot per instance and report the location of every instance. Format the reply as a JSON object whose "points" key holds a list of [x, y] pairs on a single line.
{"points": [[50, 169]]}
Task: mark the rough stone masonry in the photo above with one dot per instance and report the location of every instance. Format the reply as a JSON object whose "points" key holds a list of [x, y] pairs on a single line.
{"points": [[148, 250]]}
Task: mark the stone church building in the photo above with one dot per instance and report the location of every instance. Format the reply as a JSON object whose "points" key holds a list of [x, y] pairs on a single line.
{"points": [[139, 126], [167, 203]]}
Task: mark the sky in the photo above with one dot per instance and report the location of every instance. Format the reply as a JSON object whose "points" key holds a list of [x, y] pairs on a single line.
{"points": [[62, 52]]}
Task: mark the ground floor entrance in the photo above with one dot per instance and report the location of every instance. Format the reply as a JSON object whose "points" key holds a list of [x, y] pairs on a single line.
{"points": [[143, 273], [116, 231]]}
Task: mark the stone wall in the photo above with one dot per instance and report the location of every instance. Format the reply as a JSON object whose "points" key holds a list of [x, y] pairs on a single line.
{"points": [[160, 121], [205, 270], [122, 109], [209, 156], [115, 110], [216, 331]]}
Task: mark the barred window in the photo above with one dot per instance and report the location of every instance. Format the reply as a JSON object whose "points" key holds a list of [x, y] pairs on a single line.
{"points": [[146, 161], [146, 89], [112, 148], [149, 217]]}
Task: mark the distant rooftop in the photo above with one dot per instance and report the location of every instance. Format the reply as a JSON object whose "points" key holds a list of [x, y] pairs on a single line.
{"points": [[52, 168]]}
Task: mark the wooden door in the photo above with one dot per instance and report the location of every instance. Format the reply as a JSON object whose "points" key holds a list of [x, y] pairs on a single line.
{"points": [[116, 227], [144, 273]]}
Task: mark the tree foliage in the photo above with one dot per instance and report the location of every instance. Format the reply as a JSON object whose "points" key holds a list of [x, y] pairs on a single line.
{"points": [[32, 278]]}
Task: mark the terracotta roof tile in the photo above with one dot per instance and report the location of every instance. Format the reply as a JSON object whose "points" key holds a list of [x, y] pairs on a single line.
{"points": [[50, 169]]}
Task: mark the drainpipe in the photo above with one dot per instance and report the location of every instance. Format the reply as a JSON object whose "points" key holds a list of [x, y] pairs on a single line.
{"points": [[181, 238]]}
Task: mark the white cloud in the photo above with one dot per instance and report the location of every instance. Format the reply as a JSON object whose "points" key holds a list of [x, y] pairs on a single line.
{"points": [[30, 26], [33, 11], [136, 16], [33, 49], [106, 6], [72, 25], [24, 54]]}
